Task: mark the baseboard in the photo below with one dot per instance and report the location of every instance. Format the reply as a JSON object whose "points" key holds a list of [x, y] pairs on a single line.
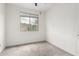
{"points": [[60, 48], [25, 44]]}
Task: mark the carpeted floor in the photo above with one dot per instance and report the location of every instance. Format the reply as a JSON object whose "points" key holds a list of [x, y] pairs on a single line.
{"points": [[37, 49]]}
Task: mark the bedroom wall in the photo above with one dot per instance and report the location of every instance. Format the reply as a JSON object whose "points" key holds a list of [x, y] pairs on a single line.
{"points": [[61, 27], [2, 27], [13, 34]]}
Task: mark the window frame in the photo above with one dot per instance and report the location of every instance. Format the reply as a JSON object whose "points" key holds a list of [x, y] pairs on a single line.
{"points": [[30, 23]]}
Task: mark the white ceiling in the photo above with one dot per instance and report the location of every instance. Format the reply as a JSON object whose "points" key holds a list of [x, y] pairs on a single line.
{"points": [[40, 7]]}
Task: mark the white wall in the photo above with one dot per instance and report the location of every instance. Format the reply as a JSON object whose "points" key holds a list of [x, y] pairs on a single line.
{"points": [[78, 26], [62, 27], [2, 27], [13, 34]]}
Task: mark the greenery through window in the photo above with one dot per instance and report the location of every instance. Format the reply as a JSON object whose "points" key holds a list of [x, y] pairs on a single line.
{"points": [[28, 23]]}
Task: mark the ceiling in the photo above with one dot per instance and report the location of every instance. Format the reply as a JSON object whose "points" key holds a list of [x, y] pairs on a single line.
{"points": [[39, 7]]}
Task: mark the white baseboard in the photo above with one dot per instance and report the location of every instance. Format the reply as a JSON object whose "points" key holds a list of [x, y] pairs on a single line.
{"points": [[60, 48]]}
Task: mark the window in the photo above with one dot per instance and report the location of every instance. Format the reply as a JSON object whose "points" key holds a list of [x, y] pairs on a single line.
{"points": [[28, 23]]}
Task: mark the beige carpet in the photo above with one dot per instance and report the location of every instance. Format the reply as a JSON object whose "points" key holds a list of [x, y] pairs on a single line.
{"points": [[37, 49]]}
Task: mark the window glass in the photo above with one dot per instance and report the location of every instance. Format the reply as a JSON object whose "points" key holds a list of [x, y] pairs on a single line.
{"points": [[28, 23]]}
